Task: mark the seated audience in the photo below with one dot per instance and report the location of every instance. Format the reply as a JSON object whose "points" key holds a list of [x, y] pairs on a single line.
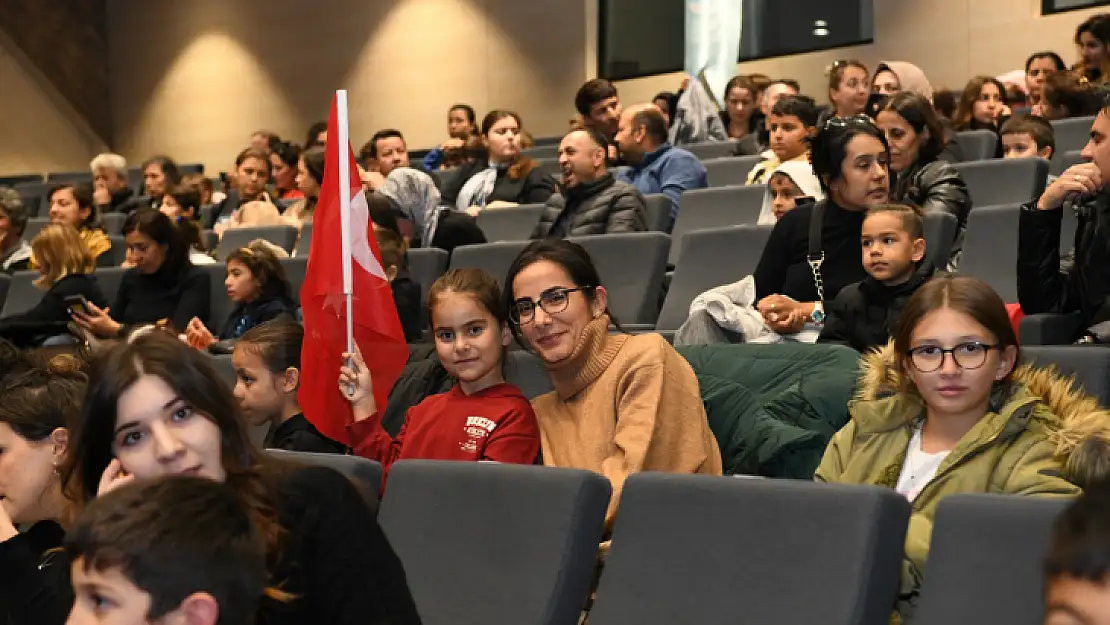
{"points": [[504, 177], [252, 172], [1044, 286], [257, 285], [1077, 565], [406, 291], [310, 175], [471, 336], [946, 410], [741, 104], [110, 192], [599, 106], [267, 361], [73, 205], [162, 287], [385, 152], [413, 196], [864, 315], [179, 549], [622, 403], [590, 200], [982, 105], [656, 166], [15, 252], [791, 124], [892, 77], [1065, 96], [665, 101], [42, 402], [284, 158], [1038, 67], [316, 136], [1026, 136], [65, 271], [462, 123], [325, 548], [159, 174], [1093, 36], [916, 140], [760, 141], [182, 204], [851, 160], [848, 88], [789, 184]]}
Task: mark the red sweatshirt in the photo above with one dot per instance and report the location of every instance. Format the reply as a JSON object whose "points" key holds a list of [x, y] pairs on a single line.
{"points": [[494, 424]]}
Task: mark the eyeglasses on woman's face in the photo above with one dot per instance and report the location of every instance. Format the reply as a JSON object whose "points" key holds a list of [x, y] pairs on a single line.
{"points": [[553, 301]]}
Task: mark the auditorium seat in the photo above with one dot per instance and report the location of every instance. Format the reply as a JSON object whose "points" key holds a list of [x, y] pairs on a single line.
{"points": [[22, 294], [985, 558], [710, 258], [731, 170], [977, 145], [191, 168], [707, 150], [304, 241], [1090, 366], [209, 239], [365, 473], [1063, 160], [70, 177], [109, 279], [1003, 181], [34, 226], [495, 543], [550, 166], [631, 266], [657, 213], [426, 265], [234, 238], [940, 233], [295, 269], [526, 371], [12, 180], [5, 284], [1072, 133], [548, 152], [493, 257], [512, 223], [35, 198], [115, 255], [219, 305], [702, 209], [113, 222], [699, 549], [990, 249], [1050, 329]]}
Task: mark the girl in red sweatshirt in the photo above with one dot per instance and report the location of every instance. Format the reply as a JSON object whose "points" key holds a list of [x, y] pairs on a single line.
{"points": [[481, 417]]}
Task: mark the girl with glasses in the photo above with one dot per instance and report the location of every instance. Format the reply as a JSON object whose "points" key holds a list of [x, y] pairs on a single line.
{"points": [[621, 403], [946, 409]]}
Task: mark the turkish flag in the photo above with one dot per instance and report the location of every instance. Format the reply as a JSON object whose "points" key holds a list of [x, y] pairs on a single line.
{"points": [[376, 326]]}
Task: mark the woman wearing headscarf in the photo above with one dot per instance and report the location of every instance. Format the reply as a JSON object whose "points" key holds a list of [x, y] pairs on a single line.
{"points": [[894, 76]]}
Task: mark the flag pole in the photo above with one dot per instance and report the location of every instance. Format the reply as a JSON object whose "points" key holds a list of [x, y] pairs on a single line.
{"points": [[344, 153]]}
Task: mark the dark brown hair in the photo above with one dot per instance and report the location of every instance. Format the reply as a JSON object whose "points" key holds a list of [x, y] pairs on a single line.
{"points": [[476, 283], [83, 195], [1067, 95], [836, 71], [187, 197], [964, 110], [919, 114], [970, 296], [392, 248], [43, 398], [259, 258], [908, 214], [277, 343], [1037, 127], [253, 153], [524, 164]]}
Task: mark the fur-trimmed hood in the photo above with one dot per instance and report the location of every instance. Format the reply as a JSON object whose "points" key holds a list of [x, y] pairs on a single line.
{"points": [[1080, 428]]}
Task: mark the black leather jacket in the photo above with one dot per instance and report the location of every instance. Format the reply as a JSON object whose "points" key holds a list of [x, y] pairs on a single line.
{"points": [[935, 186]]}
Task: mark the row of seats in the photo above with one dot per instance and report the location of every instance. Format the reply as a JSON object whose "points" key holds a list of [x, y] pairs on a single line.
{"points": [[33, 188], [487, 543]]}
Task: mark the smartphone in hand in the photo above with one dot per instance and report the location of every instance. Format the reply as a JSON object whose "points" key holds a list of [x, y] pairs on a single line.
{"points": [[77, 304]]}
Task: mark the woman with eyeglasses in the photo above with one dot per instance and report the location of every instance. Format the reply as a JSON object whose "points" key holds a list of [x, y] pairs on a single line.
{"points": [[851, 161], [621, 403], [946, 409]]}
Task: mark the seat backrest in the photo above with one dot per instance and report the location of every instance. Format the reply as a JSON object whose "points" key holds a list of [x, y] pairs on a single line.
{"points": [[543, 151], [714, 208], [550, 166], [493, 257], [220, 305], [701, 267], [191, 168], [295, 269], [235, 238], [108, 278], [729, 171], [366, 474], [113, 222], [512, 223], [426, 265], [526, 371], [1072, 133], [1089, 366], [1063, 160], [773, 551], [5, 284], [635, 288], [304, 241], [940, 233], [70, 177], [23, 295], [16, 179], [985, 559], [495, 543], [707, 150], [657, 212], [977, 145], [34, 195], [1004, 181], [990, 248], [34, 226], [115, 255]]}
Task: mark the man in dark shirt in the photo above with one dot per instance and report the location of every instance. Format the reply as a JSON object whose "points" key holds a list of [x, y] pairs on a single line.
{"points": [[110, 190]]}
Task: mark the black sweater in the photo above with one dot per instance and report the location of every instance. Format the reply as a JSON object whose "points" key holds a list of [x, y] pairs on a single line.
{"points": [[52, 308], [335, 560], [783, 268], [149, 298], [864, 314], [298, 434], [533, 188]]}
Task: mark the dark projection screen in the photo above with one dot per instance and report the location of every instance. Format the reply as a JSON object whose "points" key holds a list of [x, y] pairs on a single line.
{"points": [[644, 37]]}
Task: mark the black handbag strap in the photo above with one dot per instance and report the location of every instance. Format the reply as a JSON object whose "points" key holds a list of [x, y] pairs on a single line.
{"points": [[816, 255]]}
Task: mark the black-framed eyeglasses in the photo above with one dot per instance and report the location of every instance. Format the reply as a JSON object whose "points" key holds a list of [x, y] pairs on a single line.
{"points": [[552, 301], [851, 120], [970, 355]]}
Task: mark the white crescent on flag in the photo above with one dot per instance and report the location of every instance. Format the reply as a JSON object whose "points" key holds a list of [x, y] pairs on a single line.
{"points": [[360, 245]]}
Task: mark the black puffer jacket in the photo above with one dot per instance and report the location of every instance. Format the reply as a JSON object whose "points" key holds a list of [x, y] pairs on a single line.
{"points": [[1043, 285], [604, 206], [936, 186], [864, 315]]}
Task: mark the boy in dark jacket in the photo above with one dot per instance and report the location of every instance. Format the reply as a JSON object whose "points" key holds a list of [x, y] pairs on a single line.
{"points": [[864, 314], [406, 292]]}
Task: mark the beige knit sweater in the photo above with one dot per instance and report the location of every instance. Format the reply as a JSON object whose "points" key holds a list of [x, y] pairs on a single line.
{"points": [[624, 404]]}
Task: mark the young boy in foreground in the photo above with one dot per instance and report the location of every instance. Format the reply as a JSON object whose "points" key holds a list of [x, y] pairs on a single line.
{"points": [[1077, 568]]}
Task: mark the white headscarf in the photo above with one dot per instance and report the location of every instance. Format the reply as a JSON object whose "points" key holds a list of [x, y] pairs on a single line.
{"points": [[801, 172]]}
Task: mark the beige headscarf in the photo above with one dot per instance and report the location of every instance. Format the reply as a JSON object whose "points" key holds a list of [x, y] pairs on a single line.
{"points": [[910, 77]]}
